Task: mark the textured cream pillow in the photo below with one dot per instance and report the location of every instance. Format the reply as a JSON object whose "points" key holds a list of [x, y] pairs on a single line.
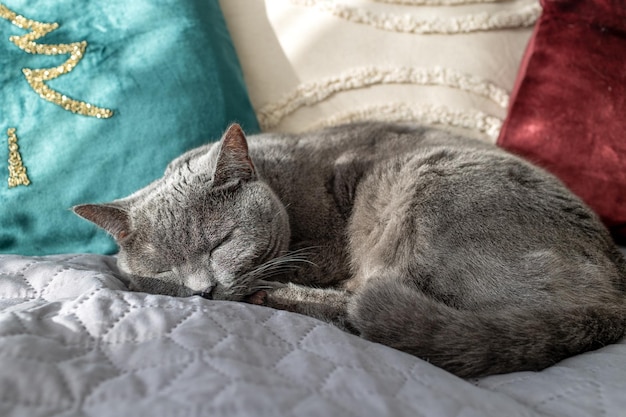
{"points": [[320, 62]]}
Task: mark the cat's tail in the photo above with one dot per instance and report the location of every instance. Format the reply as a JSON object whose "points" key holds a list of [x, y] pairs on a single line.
{"points": [[472, 344]]}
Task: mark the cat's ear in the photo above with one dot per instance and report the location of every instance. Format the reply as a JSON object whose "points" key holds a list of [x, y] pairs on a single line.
{"points": [[110, 217], [233, 161]]}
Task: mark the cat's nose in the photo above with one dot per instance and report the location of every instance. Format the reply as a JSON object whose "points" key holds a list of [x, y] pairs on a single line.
{"points": [[207, 293]]}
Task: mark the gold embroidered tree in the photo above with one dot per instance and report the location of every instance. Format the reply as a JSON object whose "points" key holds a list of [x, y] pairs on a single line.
{"points": [[17, 170], [37, 77]]}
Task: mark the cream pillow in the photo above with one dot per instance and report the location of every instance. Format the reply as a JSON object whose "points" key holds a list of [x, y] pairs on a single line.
{"points": [[310, 63]]}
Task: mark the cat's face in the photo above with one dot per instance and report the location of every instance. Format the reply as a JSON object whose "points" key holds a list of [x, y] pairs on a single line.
{"points": [[204, 228]]}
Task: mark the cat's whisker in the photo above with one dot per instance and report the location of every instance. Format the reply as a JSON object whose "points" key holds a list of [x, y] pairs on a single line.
{"points": [[286, 261], [299, 255], [280, 265], [291, 264]]}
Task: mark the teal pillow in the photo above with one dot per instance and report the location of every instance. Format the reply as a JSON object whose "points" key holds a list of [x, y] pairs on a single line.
{"points": [[96, 107]]}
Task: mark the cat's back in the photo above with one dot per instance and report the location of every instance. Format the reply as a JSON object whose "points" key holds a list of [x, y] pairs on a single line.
{"points": [[381, 138], [481, 220], [450, 179], [441, 177]]}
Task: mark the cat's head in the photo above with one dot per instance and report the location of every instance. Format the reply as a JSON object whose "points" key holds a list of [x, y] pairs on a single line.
{"points": [[204, 228]]}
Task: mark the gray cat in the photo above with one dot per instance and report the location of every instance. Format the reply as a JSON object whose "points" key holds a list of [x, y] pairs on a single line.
{"points": [[441, 246]]}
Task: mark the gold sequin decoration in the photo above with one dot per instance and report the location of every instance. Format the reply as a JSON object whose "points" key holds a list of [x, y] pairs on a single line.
{"points": [[37, 77], [17, 170]]}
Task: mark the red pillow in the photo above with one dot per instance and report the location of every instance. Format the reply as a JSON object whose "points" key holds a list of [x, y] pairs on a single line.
{"points": [[568, 108]]}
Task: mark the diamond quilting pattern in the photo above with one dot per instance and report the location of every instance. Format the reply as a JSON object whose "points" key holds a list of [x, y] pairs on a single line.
{"points": [[138, 324], [19, 391], [198, 331], [584, 385], [74, 342]]}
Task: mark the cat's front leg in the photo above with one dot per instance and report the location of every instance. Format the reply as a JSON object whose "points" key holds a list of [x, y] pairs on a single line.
{"points": [[325, 304]]}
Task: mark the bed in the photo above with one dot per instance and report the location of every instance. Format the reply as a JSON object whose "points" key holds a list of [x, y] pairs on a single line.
{"points": [[75, 342]]}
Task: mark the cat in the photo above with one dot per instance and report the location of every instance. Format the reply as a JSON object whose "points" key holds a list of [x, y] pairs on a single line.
{"points": [[435, 244]]}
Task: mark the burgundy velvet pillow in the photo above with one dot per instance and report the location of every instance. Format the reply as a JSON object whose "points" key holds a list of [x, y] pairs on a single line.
{"points": [[568, 108]]}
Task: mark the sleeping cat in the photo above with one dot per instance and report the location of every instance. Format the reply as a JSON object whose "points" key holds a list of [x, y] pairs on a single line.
{"points": [[441, 246]]}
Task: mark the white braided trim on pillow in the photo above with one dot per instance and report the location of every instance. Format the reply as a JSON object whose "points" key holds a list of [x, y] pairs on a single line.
{"points": [[524, 16], [423, 114], [308, 94]]}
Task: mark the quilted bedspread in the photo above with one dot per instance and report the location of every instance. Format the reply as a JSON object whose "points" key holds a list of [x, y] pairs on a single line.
{"points": [[74, 342]]}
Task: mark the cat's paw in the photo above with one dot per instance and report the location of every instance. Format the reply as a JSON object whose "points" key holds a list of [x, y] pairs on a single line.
{"points": [[260, 296]]}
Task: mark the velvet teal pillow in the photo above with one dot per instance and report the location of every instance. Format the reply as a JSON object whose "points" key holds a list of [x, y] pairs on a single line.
{"points": [[97, 100]]}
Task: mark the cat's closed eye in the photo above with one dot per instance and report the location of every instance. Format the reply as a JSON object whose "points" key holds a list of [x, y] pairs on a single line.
{"points": [[221, 242]]}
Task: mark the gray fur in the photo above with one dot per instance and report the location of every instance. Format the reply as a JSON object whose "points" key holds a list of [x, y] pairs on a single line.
{"points": [[438, 245]]}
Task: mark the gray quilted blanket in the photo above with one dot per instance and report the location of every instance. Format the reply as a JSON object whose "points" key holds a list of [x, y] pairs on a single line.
{"points": [[74, 342]]}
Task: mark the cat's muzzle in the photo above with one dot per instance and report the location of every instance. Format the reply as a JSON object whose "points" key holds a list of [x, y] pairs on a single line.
{"points": [[207, 293]]}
